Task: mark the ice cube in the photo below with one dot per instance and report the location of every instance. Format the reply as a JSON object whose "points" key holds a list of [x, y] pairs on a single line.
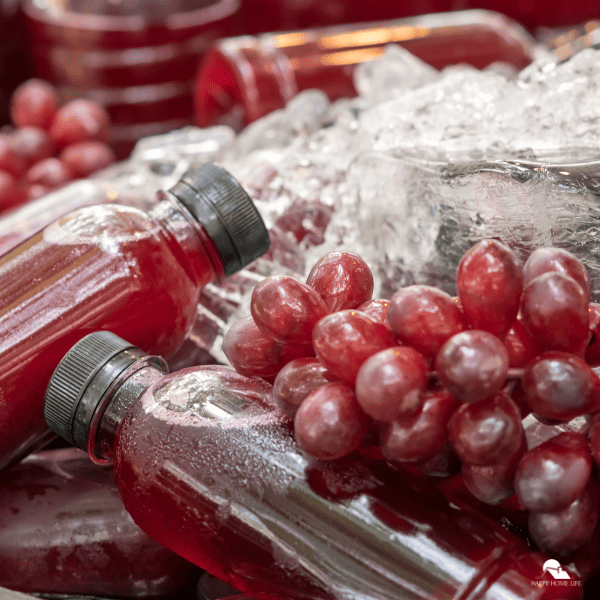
{"points": [[302, 115], [550, 107], [395, 72]]}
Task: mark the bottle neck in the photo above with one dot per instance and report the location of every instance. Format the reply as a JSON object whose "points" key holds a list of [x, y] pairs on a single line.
{"points": [[188, 239], [113, 405]]}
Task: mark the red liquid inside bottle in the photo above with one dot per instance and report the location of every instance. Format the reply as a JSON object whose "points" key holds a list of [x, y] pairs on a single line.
{"points": [[118, 268], [244, 78], [64, 529], [207, 466]]}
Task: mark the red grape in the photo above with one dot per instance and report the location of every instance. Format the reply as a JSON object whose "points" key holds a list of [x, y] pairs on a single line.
{"points": [[443, 464], [554, 474], [329, 423], [560, 386], [555, 312], [296, 380], [32, 144], [424, 317], [345, 339], [342, 279], [545, 260], [492, 483], [561, 532], [486, 432], [472, 365], [592, 352], [521, 347], [36, 190], [34, 104], [420, 437], [376, 309], [489, 281], [49, 172], [286, 309], [252, 353], [85, 158], [79, 120], [390, 383]]}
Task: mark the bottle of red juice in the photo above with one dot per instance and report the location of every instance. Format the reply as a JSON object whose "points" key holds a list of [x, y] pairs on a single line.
{"points": [[243, 78], [207, 465], [116, 268]]}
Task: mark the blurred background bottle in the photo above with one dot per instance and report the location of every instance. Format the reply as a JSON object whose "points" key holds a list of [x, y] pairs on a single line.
{"points": [[244, 78]]}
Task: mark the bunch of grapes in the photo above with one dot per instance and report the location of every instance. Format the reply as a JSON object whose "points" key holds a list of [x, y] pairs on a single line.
{"points": [[443, 380], [49, 144]]}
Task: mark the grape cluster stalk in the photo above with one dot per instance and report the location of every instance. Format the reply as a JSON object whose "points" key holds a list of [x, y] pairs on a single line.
{"points": [[443, 382]]}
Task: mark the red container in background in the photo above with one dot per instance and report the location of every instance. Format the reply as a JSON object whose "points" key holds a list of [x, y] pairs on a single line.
{"points": [[137, 57], [244, 78]]}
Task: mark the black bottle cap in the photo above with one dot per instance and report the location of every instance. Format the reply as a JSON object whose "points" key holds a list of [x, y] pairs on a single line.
{"points": [[226, 212], [81, 379]]}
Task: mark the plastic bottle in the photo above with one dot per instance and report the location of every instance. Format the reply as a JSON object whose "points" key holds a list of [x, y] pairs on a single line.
{"points": [[64, 530], [244, 78], [118, 268], [208, 467]]}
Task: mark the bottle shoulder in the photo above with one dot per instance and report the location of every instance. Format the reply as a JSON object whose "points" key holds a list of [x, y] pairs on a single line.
{"points": [[105, 225], [212, 393]]}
